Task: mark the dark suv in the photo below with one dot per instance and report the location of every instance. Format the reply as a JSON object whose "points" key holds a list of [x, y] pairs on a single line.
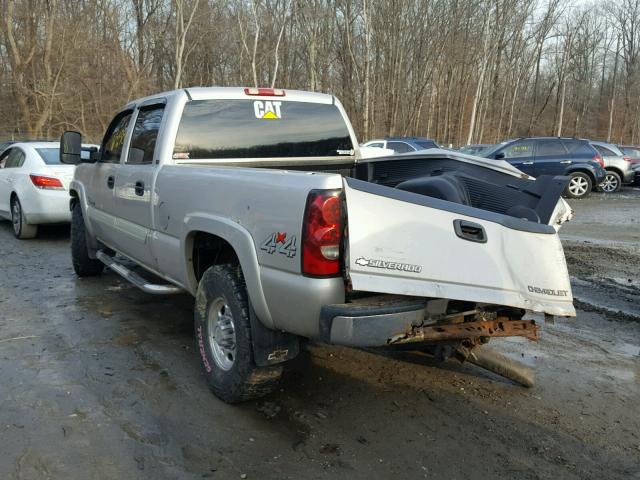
{"points": [[537, 156]]}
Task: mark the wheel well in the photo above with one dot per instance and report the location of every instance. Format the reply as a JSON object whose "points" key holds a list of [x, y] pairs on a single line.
{"points": [[209, 250], [13, 196], [614, 169]]}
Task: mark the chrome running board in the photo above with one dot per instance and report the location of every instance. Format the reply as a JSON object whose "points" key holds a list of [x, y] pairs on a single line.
{"points": [[136, 279]]}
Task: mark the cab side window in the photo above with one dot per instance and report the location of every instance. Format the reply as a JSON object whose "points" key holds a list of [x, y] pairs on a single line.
{"points": [[145, 133], [518, 150], [14, 159], [114, 139]]}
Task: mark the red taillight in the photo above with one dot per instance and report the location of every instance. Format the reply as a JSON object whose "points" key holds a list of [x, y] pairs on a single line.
{"points": [[264, 92], [626, 158], [322, 233], [48, 183], [599, 159]]}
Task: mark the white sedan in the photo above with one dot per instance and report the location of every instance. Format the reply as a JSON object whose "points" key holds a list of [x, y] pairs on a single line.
{"points": [[34, 186]]}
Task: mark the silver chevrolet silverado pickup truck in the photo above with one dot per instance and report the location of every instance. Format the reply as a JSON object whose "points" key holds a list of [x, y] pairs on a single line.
{"points": [[256, 202]]}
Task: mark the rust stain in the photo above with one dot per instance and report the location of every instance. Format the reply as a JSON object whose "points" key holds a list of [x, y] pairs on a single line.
{"points": [[500, 327]]}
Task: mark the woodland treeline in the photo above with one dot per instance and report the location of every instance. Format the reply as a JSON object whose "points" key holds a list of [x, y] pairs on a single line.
{"points": [[458, 71]]}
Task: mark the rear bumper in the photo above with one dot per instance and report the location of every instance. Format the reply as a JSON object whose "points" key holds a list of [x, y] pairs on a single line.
{"points": [[370, 322], [393, 320], [47, 206]]}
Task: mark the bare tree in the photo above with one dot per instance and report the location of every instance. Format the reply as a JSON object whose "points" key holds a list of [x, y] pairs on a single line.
{"points": [[182, 26]]}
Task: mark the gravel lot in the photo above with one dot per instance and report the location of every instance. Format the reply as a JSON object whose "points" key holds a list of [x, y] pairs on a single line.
{"points": [[99, 380]]}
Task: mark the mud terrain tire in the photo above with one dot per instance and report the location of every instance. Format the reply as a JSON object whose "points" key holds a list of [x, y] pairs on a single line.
{"points": [[83, 265], [223, 337]]}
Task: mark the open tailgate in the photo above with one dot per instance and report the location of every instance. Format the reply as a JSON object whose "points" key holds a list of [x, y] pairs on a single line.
{"points": [[409, 244]]}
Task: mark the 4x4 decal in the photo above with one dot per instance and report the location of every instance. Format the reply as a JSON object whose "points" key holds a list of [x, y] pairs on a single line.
{"points": [[278, 242]]}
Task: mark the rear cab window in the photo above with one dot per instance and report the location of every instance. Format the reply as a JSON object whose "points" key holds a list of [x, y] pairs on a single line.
{"points": [[244, 129]]}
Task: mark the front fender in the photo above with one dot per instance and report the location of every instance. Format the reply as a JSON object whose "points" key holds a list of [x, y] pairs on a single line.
{"points": [[242, 242]]}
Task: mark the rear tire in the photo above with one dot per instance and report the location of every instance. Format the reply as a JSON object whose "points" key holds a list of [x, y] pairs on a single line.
{"points": [[83, 265], [579, 185], [21, 229], [223, 338], [612, 182]]}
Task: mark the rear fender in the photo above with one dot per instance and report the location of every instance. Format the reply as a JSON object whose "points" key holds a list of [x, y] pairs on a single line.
{"points": [[242, 242], [583, 169]]}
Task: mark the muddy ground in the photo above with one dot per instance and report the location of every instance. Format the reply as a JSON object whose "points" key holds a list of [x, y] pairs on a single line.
{"points": [[100, 381]]}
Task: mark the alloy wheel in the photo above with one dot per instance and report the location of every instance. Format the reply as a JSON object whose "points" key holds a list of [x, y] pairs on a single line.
{"points": [[578, 186], [610, 184]]}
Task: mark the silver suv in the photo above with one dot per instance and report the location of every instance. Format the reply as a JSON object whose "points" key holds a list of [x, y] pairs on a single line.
{"points": [[617, 164]]}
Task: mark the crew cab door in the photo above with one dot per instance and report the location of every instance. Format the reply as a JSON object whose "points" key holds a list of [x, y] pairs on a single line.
{"points": [[101, 208], [404, 243], [134, 186]]}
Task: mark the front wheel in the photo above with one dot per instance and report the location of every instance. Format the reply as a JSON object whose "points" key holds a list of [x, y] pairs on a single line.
{"points": [[223, 336], [83, 265], [579, 185], [611, 183], [21, 229]]}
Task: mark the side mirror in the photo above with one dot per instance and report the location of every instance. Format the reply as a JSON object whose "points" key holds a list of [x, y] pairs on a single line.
{"points": [[70, 147], [499, 156]]}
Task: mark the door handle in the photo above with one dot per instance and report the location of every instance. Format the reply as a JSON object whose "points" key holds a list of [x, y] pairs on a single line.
{"points": [[566, 161], [139, 188], [110, 182], [527, 163], [470, 231]]}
